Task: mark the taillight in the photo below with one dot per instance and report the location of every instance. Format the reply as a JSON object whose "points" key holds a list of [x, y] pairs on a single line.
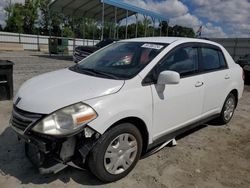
{"points": [[243, 74]]}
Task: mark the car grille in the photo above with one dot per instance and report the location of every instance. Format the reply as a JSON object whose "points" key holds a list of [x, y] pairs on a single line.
{"points": [[22, 119]]}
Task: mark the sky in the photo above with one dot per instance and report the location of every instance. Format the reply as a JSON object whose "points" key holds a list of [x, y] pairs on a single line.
{"points": [[219, 18]]}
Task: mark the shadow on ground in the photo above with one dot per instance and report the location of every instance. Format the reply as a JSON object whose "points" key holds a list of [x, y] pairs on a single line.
{"points": [[13, 162], [56, 57]]}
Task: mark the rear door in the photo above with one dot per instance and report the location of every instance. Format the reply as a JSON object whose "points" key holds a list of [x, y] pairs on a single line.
{"points": [[216, 79]]}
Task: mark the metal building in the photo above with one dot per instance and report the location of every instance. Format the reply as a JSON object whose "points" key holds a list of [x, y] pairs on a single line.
{"points": [[105, 11]]}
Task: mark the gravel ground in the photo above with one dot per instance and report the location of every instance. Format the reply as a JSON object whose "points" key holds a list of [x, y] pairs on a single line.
{"points": [[212, 156]]}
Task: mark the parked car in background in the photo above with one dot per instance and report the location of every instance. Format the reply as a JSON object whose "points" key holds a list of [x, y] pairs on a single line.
{"points": [[124, 101], [83, 51], [244, 62]]}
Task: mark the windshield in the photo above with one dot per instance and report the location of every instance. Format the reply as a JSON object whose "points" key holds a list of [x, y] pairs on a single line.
{"points": [[121, 60]]}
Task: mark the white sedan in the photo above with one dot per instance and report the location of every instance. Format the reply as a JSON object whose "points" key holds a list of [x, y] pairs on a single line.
{"points": [[124, 101]]}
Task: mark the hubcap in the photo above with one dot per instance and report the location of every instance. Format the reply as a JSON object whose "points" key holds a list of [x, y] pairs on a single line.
{"points": [[229, 109], [120, 153]]}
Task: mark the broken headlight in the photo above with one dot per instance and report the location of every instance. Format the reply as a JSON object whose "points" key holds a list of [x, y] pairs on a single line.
{"points": [[66, 121]]}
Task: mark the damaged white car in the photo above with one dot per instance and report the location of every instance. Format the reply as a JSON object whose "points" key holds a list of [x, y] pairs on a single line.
{"points": [[124, 101]]}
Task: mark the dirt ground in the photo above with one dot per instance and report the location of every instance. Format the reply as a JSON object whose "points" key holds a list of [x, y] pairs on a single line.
{"points": [[212, 156]]}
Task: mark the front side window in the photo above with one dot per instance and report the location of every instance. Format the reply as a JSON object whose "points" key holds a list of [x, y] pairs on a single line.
{"points": [[183, 60], [121, 60]]}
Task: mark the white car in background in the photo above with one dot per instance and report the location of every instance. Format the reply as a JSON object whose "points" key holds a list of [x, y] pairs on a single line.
{"points": [[123, 101]]}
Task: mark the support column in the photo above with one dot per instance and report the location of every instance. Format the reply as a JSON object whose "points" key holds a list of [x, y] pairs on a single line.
{"points": [[93, 37], [19, 37], [167, 27], [102, 20], [153, 26], [83, 32], [74, 39], [145, 31], [118, 30], [126, 33], [136, 26], [110, 31], [160, 27], [49, 17], [115, 22], [38, 45]]}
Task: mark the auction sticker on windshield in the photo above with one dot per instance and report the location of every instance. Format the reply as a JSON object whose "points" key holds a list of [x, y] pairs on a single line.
{"points": [[152, 46]]}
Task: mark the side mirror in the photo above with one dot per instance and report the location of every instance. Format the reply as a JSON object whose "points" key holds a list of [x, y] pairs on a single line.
{"points": [[167, 77]]}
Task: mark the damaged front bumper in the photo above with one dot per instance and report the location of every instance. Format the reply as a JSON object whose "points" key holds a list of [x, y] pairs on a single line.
{"points": [[51, 155]]}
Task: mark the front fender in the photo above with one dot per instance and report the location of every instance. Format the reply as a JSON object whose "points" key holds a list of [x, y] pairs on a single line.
{"points": [[135, 102]]}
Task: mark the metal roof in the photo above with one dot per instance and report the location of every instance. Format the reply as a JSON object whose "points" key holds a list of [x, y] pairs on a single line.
{"points": [[93, 9]]}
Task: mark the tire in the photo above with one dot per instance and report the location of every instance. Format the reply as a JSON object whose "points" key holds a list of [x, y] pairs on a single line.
{"points": [[227, 110], [116, 153]]}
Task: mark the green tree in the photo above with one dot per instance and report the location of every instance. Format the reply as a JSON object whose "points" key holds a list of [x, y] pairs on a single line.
{"points": [[30, 12], [44, 17], [14, 22], [56, 21], [67, 32], [176, 30], [181, 31]]}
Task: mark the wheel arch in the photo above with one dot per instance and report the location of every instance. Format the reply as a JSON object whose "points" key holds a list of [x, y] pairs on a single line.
{"points": [[236, 94], [140, 125]]}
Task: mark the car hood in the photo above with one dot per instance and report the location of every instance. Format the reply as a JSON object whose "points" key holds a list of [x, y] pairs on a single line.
{"points": [[51, 91]]}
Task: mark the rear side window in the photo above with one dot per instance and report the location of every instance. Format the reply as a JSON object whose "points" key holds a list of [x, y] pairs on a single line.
{"points": [[212, 59], [222, 60]]}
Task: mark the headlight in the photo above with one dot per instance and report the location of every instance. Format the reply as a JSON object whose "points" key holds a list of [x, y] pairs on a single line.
{"points": [[66, 120]]}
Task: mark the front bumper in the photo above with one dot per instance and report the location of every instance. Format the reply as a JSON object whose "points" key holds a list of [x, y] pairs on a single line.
{"points": [[51, 155], [42, 144]]}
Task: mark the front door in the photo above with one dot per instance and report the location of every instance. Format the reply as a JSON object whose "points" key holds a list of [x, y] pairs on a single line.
{"points": [[180, 104]]}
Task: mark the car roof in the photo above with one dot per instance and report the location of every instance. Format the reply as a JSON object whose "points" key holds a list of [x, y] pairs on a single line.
{"points": [[168, 40]]}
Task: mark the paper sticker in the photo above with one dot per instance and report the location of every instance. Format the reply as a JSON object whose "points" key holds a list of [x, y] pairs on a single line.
{"points": [[152, 46]]}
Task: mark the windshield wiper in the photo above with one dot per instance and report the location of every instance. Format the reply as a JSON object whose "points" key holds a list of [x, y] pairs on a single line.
{"points": [[105, 74], [97, 72], [88, 71]]}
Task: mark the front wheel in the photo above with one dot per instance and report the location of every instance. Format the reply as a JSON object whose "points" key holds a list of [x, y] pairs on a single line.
{"points": [[116, 153], [228, 109]]}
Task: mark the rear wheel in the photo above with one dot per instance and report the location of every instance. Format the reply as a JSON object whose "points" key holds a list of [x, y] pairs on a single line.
{"points": [[116, 153], [228, 109]]}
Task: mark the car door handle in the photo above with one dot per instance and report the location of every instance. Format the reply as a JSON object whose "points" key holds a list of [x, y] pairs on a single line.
{"points": [[199, 84], [227, 77]]}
